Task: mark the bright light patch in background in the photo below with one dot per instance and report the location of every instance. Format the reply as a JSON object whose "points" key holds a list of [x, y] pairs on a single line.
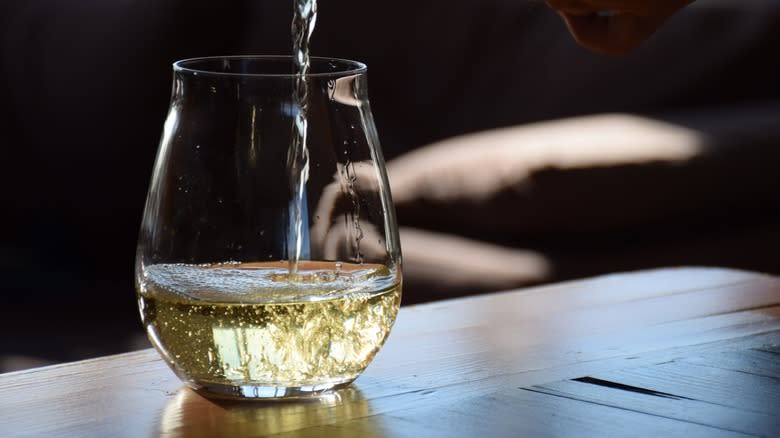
{"points": [[513, 154]]}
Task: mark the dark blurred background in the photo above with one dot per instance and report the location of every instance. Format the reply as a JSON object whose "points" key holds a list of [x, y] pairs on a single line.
{"points": [[84, 88]]}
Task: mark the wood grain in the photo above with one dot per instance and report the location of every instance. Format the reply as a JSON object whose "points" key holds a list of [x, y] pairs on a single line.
{"points": [[675, 352]]}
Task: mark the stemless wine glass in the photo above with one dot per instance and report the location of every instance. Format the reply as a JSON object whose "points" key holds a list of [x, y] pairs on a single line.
{"points": [[240, 300]]}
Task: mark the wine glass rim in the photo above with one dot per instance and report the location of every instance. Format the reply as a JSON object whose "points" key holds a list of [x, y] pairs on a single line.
{"points": [[185, 65]]}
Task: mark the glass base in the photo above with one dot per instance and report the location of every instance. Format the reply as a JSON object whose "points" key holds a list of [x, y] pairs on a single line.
{"points": [[270, 393]]}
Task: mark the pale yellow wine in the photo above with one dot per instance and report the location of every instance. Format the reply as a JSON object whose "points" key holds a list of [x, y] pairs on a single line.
{"points": [[252, 324]]}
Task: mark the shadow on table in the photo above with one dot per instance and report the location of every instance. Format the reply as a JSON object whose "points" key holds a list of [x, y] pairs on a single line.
{"points": [[189, 414]]}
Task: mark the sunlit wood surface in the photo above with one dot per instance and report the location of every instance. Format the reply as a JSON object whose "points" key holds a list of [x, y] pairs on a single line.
{"points": [[672, 352]]}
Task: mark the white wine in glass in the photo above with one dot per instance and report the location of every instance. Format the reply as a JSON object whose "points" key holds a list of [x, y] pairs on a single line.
{"points": [[220, 297]]}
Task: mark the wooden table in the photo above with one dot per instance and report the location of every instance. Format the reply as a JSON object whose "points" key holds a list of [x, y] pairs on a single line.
{"points": [[665, 352]]}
